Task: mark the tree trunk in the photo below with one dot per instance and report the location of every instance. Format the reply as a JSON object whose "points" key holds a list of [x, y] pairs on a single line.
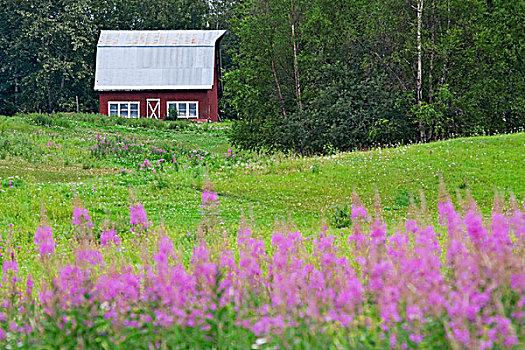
{"points": [[295, 61], [445, 51], [16, 92], [419, 79], [49, 100], [274, 70], [277, 84], [432, 51]]}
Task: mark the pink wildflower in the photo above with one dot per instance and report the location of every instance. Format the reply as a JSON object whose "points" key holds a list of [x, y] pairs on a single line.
{"points": [[208, 197], [108, 237], [92, 257], [81, 215], [359, 212], [44, 240], [138, 216]]}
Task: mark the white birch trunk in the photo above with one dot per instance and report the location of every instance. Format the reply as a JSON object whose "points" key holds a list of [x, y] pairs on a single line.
{"points": [[419, 79], [295, 61]]}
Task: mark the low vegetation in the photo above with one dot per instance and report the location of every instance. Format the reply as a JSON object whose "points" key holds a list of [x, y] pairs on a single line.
{"points": [[159, 234]]}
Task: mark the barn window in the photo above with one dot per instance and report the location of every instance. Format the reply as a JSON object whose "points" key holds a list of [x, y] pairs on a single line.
{"points": [[124, 109], [185, 109]]}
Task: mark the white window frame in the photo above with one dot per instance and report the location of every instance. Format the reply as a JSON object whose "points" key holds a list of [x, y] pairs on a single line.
{"points": [[119, 103], [187, 109]]}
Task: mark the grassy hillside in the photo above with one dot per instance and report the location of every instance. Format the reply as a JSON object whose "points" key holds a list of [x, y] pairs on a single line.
{"points": [[47, 163], [106, 164]]}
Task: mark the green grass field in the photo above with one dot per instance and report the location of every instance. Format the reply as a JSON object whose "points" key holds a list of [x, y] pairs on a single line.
{"points": [[46, 164], [55, 163]]}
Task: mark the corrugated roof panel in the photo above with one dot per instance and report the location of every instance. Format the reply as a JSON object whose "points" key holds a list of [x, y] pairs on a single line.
{"points": [[149, 60]]}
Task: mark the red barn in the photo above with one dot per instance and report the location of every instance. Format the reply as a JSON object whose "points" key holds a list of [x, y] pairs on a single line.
{"points": [[150, 73]]}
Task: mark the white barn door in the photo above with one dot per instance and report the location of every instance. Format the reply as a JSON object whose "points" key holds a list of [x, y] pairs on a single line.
{"points": [[153, 108]]}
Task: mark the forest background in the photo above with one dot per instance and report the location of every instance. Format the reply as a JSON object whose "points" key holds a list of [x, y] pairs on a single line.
{"points": [[306, 76]]}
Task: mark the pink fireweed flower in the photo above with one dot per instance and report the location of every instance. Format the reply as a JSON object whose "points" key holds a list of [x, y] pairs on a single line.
{"points": [[205, 270], [70, 282], [81, 215], [44, 240], [209, 197], [449, 217], [138, 216], [474, 224], [109, 237], [119, 287], [500, 238], [165, 251], [90, 256], [9, 265], [359, 212], [378, 233], [29, 286]]}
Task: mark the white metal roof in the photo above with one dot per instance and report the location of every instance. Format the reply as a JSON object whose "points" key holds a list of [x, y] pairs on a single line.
{"points": [[156, 60]]}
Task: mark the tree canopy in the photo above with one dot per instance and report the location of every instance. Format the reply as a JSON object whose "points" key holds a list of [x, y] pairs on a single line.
{"points": [[376, 71]]}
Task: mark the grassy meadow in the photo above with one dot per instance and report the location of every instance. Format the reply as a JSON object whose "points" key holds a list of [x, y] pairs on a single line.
{"points": [[54, 163], [44, 161], [48, 160]]}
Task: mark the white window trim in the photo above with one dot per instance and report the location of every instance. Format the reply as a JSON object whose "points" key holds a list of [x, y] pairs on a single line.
{"points": [[187, 109], [118, 109]]}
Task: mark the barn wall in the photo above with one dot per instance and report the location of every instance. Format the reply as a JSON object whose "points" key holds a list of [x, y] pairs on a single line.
{"points": [[207, 100]]}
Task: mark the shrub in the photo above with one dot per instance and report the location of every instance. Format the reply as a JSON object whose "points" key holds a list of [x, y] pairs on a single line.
{"points": [[172, 114], [353, 112], [43, 119]]}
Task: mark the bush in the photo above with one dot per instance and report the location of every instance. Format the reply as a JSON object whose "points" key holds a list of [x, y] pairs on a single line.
{"points": [[353, 112], [340, 217], [173, 114], [43, 119]]}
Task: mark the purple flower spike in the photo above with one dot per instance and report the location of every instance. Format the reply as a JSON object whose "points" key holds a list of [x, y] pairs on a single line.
{"points": [[208, 197], [92, 257], [138, 216], [79, 215], [44, 240], [109, 237], [359, 212]]}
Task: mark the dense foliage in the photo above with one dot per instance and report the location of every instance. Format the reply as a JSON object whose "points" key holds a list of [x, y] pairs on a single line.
{"points": [[308, 76], [47, 48], [459, 285], [317, 75]]}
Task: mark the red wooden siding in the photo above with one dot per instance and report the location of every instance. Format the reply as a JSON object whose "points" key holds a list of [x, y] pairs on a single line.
{"points": [[207, 99]]}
